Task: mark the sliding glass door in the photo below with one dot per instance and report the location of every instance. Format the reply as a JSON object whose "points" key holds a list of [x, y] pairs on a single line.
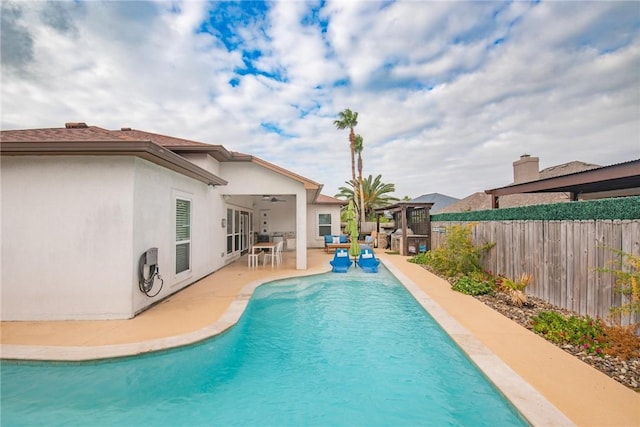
{"points": [[239, 231]]}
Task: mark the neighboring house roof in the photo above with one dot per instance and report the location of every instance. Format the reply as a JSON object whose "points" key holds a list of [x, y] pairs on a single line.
{"points": [[513, 195], [567, 168], [474, 202], [481, 201], [440, 201], [617, 177]]}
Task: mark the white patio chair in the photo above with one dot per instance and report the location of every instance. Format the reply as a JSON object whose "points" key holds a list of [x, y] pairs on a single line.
{"points": [[277, 254]]}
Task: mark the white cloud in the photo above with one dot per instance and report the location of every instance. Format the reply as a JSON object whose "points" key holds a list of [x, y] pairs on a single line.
{"points": [[449, 93]]}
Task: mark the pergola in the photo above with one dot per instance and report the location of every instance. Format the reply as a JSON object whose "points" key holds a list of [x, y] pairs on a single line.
{"points": [[622, 179], [414, 220]]}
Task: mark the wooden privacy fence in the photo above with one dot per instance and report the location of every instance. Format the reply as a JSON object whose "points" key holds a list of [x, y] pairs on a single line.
{"points": [[562, 256]]}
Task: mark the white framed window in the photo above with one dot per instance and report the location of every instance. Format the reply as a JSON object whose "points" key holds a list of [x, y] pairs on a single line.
{"points": [[229, 231], [324, 224], [183, 235]]}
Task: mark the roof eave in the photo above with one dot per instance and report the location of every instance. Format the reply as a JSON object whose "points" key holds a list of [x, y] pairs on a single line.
{"points": [[218, 152], [142, 149]]}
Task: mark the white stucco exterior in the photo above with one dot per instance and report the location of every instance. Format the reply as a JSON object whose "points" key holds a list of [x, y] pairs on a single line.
{"points": [[73, 228], [314, 240], [66, 237], [154, 221]]}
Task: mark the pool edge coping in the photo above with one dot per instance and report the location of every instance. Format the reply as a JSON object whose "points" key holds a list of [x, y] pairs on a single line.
{"points": [[50, 353], [530, 403]]}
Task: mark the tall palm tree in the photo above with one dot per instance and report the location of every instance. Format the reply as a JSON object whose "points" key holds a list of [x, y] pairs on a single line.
{"points": [[375, 193], [358, 147], [349, 119]]}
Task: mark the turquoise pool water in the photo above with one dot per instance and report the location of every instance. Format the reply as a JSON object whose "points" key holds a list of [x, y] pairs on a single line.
{"points": [[352, 349]]}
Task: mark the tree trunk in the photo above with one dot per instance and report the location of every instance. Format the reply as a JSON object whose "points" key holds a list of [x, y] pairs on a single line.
{"points": [[352, 147], [363, 211]]}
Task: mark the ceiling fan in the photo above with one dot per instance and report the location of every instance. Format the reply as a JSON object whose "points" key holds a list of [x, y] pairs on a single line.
{"points": [[272, 199]]}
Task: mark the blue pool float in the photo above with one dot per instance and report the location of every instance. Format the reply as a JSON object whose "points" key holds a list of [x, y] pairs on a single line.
{"points": [[341, 261], [368, 261]]}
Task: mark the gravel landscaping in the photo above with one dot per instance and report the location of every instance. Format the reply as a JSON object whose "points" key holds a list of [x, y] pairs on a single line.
{"points": [[626, 372]]}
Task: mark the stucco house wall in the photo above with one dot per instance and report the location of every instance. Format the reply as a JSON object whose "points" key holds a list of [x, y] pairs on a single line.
{"points": [[73, 242], [67, 242], [204, 160], [314, 240], [155, 194]]}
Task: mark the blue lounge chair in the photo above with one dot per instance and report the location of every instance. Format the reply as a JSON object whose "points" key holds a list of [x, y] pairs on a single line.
{"points": [[341, 261], [368, 261]]}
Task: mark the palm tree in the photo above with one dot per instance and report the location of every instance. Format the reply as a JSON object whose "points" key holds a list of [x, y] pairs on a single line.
{"points": [[349, 119], [375, 193], [358, 147]]}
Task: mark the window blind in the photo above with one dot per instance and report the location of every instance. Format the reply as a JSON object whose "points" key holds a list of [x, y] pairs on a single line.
{"points": [[183, 235], [183, 220]]}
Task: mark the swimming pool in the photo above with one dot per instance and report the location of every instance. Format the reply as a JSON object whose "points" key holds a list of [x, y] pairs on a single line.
{"points": [[352, 349]]}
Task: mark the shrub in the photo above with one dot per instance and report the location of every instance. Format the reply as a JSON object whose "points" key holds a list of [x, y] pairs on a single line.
{"points": [[457, 255], [515, 288], [627, 272], [622, 341], [421, 258], [474, 284], [585, 332]]}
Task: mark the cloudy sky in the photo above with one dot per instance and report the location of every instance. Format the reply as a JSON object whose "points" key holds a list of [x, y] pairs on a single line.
{"points": [[448, 93]]}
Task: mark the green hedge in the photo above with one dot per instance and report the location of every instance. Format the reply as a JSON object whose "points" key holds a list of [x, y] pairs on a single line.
{"points": [[617, 208]]}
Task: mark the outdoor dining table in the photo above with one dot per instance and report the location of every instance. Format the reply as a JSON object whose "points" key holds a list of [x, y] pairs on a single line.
{"points": [[271, 246]]}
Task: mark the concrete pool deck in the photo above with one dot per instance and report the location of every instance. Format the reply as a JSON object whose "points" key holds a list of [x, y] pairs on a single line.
{"points": [[583, 394]]}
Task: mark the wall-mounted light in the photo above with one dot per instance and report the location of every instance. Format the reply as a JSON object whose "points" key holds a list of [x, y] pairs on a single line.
{"points": [[224, 222]]}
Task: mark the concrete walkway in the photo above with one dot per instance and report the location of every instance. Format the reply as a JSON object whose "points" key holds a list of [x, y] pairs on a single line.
{"points": [[584, 395]]}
